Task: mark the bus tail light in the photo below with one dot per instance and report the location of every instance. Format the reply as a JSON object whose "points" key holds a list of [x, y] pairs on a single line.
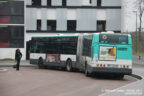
{"points": [[100, 65], [127, 66], [97, 65], [104, 65], [123, 66]]}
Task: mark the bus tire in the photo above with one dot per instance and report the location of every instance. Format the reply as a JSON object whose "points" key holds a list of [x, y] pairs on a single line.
{"points": [[87, 74], [40, 63], [69, 65], [121, 76]]}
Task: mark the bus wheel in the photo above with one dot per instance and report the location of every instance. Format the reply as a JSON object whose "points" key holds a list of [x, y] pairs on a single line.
{"points": [[121, 76], [40, 63], [69, 65], [87, 74]]}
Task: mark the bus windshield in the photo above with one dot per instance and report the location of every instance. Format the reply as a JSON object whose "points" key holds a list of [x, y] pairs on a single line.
{"points": [[113, 39]]}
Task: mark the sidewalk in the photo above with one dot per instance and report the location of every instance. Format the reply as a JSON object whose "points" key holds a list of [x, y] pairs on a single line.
{"points": [[140, 61], [10, 63]]}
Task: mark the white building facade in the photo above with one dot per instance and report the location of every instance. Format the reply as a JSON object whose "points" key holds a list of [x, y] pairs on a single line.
{"points": [[56, 17], [60, 17]]}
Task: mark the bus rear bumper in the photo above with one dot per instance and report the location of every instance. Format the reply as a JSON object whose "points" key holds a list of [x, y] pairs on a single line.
{"points": [[111, 70]]}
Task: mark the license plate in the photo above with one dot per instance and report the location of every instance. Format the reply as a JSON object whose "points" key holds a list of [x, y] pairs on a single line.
{"points": [[111, 65]]}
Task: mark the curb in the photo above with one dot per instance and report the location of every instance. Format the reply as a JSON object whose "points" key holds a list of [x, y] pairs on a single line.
{"points": [[3, 70], [137, 76], [20, 66]]}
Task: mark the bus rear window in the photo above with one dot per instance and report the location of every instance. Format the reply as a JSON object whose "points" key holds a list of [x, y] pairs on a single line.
{"points": [[113, 38]]}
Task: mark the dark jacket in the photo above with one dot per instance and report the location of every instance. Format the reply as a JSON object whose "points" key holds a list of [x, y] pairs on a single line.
{"points": [[18, 55]]}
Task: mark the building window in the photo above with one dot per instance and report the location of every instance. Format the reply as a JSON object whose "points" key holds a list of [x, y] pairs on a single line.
{"points": [[48, 2], [38, 25], [11, 36], [99, 3], [36, 2], [101, 25], [71, 25], [4, 12], [11, 12], [63, 2], [51, 25]]}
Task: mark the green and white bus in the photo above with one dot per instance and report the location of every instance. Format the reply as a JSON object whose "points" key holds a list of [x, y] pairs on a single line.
{"points": [[93, 53]]}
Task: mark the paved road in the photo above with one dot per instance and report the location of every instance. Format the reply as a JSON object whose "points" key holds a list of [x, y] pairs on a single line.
{"points": [[31, 81], [132, 89]]}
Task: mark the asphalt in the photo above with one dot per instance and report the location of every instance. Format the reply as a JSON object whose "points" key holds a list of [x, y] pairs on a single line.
{"points": [[133, 89]]}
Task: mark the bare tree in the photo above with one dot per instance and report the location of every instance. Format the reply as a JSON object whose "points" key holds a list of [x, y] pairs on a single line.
{"points": [[140, 8]]}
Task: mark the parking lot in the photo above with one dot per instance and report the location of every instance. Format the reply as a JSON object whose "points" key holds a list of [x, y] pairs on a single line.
{"points": [[31, 81]]}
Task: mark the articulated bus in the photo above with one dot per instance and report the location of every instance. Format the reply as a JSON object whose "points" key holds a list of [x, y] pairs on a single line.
{"points": [[109, 53]]}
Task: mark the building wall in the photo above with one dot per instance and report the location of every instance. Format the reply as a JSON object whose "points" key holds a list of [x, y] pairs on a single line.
{"points": [[31, 16], [85, 13], [113, 19], [14, 25], [111, 2], [56, 2], [86, 18], [74, 2], [61, 19], [9, 53], [43, 18], [81, 2]]}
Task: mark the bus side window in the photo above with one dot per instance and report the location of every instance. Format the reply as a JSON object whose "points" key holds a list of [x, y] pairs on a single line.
{"points": [[87, 46], [37, 51], [92, 50]]}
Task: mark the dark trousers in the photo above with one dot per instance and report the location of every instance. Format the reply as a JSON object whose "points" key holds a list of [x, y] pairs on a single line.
{"points": [[18, 64]]}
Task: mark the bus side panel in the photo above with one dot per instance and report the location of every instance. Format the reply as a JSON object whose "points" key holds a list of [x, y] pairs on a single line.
{"points": [[34, 57], [65, 57], [95, 47]]}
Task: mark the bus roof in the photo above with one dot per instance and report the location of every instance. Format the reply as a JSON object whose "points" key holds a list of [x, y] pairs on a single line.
{"points": [[53, 36], [76, 35], [111, 33]]}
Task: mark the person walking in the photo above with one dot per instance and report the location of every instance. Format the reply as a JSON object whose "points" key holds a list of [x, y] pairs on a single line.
{"points": [[18, 56]]}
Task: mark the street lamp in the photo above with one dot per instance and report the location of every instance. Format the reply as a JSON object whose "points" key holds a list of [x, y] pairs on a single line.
{"points": [[136, 32]]}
